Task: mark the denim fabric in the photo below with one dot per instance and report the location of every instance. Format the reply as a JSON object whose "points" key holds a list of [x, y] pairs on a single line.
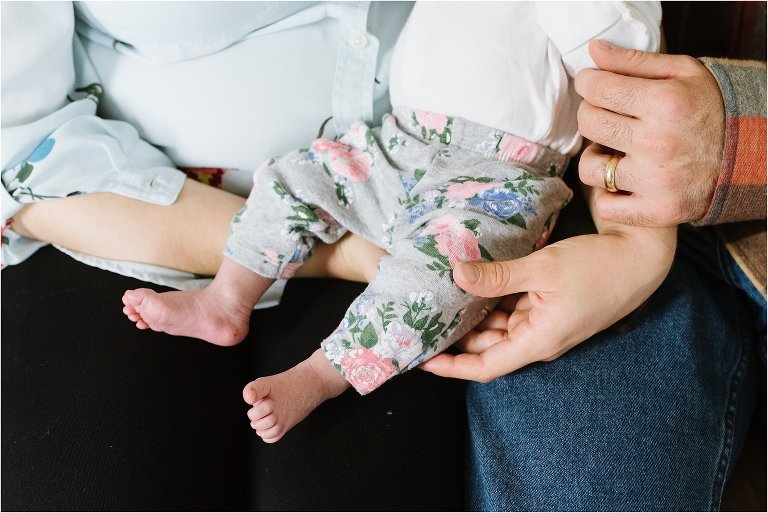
{"points": [[648, 415]]}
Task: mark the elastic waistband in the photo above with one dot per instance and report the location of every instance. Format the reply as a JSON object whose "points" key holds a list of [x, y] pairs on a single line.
{"points": [[432, 127]]}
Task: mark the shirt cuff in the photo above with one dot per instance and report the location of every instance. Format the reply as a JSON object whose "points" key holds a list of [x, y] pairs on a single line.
{"points": [[740, 192]]}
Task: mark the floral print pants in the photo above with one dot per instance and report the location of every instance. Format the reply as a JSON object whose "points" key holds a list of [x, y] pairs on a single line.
{"points": [[432, 190]]}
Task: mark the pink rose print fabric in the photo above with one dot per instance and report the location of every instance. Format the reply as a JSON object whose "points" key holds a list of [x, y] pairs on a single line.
{"points": [[466, 190], [352, 163], [453, 240], [366, 370], [432, 190], [433, 125]]}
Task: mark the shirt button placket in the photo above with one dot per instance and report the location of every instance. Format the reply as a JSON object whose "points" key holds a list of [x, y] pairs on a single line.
{"points": [[359, 41]]}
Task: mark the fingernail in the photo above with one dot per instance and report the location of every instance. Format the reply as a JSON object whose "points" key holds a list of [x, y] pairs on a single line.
{"points": [[604, 45], [469, 273]]}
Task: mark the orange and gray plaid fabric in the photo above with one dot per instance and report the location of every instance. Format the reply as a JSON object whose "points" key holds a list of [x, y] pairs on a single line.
{"points": [[739, 203]]}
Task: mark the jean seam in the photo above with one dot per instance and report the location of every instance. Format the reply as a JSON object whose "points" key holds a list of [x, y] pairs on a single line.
{"points": [[730, 419]]}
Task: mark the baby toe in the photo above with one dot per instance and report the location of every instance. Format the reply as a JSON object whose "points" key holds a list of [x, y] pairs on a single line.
{"points": [[272, 434], [256, 390], [264, 423], [261, 409], [134, 297]]}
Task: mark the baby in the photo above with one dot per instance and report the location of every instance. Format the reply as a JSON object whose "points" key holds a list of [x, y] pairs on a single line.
{"points": [[467, 168]]}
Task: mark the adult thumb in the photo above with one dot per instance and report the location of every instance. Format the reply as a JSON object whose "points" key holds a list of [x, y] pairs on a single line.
{"points": [[632, 63], [493, 279]]}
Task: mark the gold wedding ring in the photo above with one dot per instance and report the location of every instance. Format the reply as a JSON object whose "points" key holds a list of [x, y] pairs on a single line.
{"points": [[610, 173]]}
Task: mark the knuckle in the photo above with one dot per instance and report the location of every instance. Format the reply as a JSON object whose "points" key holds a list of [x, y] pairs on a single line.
{"points": [[582, 115], [608, 128], [587, 168], [688, 63], [597, 89], [636, 57], [498, 276], [674, 100], [622, 94], [626, 178], [665, 147]]}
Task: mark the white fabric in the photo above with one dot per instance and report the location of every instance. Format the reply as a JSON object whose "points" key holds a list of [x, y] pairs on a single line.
{"points": [[508, 64], [38, 71], [230, 84]]}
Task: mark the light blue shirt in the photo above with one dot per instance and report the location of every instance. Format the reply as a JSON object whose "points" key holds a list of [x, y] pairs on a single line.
{"points": [[211, 84], [230, 84]]}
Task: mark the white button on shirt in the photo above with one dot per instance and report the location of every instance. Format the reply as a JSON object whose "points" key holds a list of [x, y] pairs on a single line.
{"points": [[359, 41]]}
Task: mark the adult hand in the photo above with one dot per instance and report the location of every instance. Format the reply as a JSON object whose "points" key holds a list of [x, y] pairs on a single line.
{"points": [[561, 295], [665, 114]]}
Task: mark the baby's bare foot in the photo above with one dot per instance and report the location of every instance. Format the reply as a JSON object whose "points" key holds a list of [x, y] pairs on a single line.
{"points": [[281, 401], [202, 314], [219, 313]]}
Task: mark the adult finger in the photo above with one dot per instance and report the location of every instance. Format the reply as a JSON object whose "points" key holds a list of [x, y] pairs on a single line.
{"points": [[617, 93], [628, 174], [479, 341], [509, 303], [634, 63], [496, 279], [635, 209], [496, 320], [516, 319], [498, 360], [607, 128]]}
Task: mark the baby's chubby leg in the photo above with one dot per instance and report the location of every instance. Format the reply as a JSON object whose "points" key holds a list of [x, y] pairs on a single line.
{"points": [[219, 313], [281, 401]]}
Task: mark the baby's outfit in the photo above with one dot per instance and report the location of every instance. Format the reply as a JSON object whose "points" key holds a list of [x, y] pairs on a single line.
{"points": [[433, 188]]}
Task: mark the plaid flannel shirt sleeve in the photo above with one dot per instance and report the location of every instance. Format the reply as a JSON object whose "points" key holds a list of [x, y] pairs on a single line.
{"points": [[740, 193]]}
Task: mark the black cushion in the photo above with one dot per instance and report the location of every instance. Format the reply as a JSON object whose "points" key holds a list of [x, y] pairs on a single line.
{"points": [[98, 415]]}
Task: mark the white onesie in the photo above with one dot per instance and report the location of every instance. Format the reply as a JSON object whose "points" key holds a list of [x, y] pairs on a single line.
{"points": [[507, 64]]}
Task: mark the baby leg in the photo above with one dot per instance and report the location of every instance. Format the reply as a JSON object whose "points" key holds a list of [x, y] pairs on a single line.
{"points": [[408, 313], [271, 237], [412, 310]]}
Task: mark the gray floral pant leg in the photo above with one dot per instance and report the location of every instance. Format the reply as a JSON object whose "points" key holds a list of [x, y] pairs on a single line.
{"points": [[430, 189]]}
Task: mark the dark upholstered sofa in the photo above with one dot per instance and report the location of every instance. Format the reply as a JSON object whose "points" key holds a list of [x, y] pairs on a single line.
{"points": [[97, 415]]}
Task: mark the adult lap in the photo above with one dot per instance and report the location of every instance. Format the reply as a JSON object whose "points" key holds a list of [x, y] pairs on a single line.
{"points": [[646, 417]]}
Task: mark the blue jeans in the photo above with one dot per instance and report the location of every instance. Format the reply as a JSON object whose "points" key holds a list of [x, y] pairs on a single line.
{"points": [[649, 416]]}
